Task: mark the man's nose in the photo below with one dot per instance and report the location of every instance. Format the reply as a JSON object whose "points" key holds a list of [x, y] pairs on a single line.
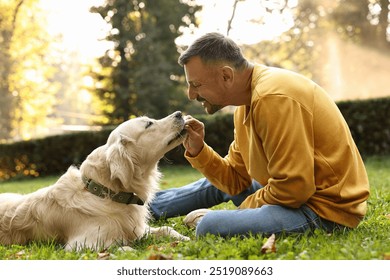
{"points": [[192, 95]]}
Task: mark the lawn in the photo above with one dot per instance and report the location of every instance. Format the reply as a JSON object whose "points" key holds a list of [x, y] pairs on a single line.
{"points": [[369, 241]]}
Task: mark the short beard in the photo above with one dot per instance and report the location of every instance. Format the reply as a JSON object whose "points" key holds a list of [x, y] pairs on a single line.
{"points": [[213, 109]]}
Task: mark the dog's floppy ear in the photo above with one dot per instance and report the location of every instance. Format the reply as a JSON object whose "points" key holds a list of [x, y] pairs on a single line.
{"points": [[120, 161]]}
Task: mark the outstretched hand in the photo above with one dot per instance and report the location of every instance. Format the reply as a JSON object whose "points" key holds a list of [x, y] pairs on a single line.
{"points": [[194, 141]]}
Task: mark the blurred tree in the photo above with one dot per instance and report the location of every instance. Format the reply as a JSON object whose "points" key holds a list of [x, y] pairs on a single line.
{"points": [[364, 21], [26, 93], [8, 15], [141, 75], [295, 48]]}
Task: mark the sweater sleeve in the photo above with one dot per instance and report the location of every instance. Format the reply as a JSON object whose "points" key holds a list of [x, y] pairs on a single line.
{"points": [[286, 129], [228, 174]]}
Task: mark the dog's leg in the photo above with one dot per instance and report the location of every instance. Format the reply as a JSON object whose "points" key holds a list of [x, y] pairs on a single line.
{"points": [[87, 241], [166, 231], [78, 245]]}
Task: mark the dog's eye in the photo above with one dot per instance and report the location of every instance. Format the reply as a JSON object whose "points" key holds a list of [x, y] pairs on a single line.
{"points": [[148, 124]]}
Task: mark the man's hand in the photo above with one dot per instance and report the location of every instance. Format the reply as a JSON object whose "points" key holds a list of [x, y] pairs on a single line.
{"points": [[194, 141]]}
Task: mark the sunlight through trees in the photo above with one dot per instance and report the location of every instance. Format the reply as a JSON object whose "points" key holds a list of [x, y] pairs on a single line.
{"points": [[343, 45]]}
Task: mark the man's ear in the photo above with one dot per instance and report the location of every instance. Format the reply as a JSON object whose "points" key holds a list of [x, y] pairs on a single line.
{"points": [[228, 75]]}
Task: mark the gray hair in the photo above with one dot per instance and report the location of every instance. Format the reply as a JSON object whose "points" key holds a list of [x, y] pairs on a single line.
{"points": [[214, 47]]}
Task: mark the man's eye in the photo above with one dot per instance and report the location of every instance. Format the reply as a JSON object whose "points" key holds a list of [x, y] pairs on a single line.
{"points": [[195, 85], [149, 123]]}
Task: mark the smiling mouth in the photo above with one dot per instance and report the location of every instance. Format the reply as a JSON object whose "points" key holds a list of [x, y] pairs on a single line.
{"points": [[210, 108], [201, 99]]}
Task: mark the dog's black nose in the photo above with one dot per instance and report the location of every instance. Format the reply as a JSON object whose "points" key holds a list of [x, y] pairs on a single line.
{"points": [[178, 115]]}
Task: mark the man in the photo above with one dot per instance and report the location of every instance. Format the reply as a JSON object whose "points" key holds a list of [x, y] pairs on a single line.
{"points": [[293, 165]]}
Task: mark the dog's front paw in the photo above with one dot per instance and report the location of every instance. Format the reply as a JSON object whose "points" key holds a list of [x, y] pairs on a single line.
{"points": [[183, 238], [167, 231]]}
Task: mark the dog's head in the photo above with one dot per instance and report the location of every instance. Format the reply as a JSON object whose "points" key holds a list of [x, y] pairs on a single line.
{"points": [[133, 149], [149, 137]]}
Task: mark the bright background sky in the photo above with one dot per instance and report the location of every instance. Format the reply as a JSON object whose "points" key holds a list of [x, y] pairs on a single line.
{"points": [[245, 26], [81, 30]]}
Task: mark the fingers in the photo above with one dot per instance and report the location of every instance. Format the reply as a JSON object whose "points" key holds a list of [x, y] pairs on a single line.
{"points": [[193, 124], [193, 142]]}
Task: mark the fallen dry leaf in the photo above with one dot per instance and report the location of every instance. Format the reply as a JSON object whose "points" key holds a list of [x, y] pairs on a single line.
{"points": [[388, 216], [20, 254], [104, 255], [159, 257], [154, 247], [269, 245]]}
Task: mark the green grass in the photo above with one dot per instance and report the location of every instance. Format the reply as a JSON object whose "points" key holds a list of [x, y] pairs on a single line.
{"points": [[369, 241]]}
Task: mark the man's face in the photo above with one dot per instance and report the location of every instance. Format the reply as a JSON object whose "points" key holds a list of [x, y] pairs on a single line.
{"points": [[204, 85]]}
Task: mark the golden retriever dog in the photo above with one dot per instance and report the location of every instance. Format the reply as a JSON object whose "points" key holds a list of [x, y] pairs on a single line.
{"points": [[105, 201]]}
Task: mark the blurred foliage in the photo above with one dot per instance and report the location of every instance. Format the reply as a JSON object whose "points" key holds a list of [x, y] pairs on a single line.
{"points": [[27, 94], [364, 21], [294, 49], [361, 21], [50, 155], [369, 121], [141, 74]]}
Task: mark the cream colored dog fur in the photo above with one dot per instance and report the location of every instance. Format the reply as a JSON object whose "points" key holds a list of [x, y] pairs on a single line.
{"points": [[68, 213]]}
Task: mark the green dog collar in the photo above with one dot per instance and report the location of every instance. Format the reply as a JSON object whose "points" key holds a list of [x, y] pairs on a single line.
{"points": [[104, 192]]}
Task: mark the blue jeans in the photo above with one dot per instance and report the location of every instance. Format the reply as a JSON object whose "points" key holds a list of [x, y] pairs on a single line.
{"points": [[267, 219]]}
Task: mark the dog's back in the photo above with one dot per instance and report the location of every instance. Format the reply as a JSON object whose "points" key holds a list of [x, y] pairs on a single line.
{"points": [[22, 216], [65, 212], [8, 205]]}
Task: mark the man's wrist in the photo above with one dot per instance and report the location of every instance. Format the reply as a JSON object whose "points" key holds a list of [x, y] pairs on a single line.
{"points": [[194, 153]]}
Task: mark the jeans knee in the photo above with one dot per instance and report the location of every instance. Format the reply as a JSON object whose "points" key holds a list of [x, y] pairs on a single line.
{"points": [[206, 225]]}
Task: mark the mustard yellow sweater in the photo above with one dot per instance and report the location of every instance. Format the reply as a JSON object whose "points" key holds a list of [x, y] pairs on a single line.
{"points": [[294, 141]]}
